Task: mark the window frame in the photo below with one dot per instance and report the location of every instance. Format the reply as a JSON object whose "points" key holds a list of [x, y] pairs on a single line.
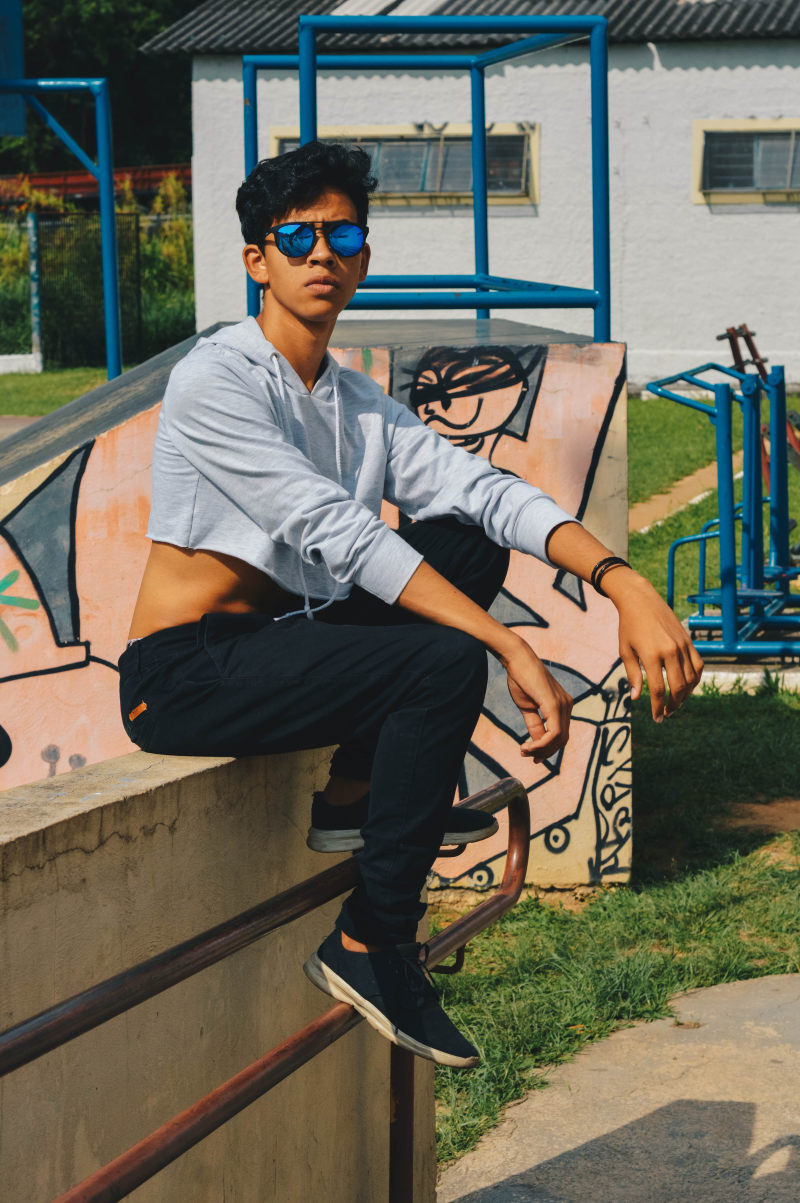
{"points": [[368, 133], [739, 125]]}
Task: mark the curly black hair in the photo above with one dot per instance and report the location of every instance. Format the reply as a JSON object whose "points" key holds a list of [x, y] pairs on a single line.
{"points": [[296, 179]]}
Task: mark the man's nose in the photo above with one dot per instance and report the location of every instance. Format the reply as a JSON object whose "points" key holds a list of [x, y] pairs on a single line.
{"points": [[320, 250]]}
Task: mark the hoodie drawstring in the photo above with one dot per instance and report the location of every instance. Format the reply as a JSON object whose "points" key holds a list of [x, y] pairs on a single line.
{"points": [[308, 609]]}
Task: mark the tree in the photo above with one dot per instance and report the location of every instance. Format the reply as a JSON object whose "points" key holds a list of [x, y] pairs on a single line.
{"points": [[150, 96]]}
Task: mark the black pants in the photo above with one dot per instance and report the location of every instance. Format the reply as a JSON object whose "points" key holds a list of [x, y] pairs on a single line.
{"points": [[400, 696]]}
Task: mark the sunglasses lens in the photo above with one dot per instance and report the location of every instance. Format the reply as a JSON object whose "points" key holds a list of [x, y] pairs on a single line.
{"points": [[346, 239], [294, 239]]}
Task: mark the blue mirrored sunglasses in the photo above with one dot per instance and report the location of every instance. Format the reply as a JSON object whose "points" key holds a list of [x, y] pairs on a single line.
{"points": [[296, 238]]}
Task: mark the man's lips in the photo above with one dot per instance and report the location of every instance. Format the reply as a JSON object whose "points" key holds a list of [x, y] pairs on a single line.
{"points": [[322, 285]]}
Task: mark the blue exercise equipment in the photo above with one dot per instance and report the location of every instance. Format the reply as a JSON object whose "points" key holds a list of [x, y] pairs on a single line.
{"points": [[32, 90], [752, 601], [479, 290]]}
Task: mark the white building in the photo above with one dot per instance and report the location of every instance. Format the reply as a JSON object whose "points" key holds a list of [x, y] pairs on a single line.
{"points": [[705, 161]]}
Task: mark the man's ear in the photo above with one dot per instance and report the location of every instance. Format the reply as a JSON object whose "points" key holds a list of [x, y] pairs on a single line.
{"points": [[365, 254], [255, 264]]}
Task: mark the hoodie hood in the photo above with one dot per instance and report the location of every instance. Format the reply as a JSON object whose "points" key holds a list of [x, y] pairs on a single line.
{"points": [[250, 341]]}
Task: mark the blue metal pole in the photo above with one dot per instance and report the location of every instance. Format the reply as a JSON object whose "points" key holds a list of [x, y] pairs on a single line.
{"points": [[601, 237], [358, 62], [58, 129], [568, 298], [480, 182], [727, 533], [752, 517], [541, 41], [249, 87], [574, 26], [108, 228], [759, 647], [778, 469], [307, 55], [49, 85]]}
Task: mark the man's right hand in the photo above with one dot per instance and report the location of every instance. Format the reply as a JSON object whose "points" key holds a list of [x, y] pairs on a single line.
{"points": [[543, 704]]}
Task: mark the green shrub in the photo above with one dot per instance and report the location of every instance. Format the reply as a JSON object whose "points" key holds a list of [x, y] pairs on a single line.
{"points": [[156, 278], [15, 290]]}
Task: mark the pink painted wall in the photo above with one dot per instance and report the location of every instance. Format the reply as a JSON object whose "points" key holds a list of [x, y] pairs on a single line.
{"points": [[59, 704]]}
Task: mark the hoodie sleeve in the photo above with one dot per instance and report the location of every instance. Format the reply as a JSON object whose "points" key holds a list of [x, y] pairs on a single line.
{"points": [[428, 477], [221, 424]]}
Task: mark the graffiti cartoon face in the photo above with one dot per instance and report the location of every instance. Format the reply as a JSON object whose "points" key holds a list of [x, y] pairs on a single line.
{"points": [[468, 394]]}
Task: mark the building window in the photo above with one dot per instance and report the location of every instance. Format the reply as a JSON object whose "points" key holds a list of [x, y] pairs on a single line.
{"points": [[761, 161], [435, 166], [748, 161]]}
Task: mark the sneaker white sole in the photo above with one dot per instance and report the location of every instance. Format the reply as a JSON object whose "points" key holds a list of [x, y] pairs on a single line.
{"points": [[334, 841], [322, 976], [351, 841]]}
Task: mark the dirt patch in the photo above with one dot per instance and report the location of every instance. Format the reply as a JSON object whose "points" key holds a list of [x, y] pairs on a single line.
{"points": [[782, 852], [774, 814], [449, 905], [575, 899]]}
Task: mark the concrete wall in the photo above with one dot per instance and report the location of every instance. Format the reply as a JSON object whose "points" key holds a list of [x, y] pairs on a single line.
{"points": [[681, 272], [113, 863]]}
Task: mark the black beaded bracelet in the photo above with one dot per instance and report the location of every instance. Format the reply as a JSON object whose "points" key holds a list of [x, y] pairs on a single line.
{"points": [[602, 567]]}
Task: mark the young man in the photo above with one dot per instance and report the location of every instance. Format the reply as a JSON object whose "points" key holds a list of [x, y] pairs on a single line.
{"points": [[269, 469]]}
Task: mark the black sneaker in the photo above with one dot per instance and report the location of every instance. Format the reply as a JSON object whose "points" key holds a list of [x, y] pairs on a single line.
{"points": [[338, 828], [394, 992]]}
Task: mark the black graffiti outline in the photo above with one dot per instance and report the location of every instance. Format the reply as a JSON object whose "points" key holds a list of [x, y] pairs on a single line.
{"points": [[600, 865], [84, 451]]}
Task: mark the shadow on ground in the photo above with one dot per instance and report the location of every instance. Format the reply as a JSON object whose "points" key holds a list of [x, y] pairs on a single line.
{"points": [[690, 1149]]}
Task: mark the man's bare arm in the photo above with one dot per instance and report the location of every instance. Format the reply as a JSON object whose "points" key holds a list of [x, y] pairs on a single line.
{"points": [[650, 638], [544, 705]]}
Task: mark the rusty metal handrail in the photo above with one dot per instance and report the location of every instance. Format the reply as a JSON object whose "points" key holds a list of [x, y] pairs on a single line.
{"points": [[66, 1020], [57, 1025]]}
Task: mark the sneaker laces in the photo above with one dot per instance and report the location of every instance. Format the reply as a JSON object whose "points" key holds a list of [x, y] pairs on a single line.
{"points": [[415, 973]]}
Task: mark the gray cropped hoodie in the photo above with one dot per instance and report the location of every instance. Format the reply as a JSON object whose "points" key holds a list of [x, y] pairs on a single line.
{"points": [[248, 462]]}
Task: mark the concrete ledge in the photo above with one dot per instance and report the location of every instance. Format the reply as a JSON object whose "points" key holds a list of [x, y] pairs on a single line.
{"points": [[29, 363], [110, 864], [748, 677]]}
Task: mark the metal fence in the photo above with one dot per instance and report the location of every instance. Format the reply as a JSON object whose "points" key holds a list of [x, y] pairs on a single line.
{"points": [[71, 289], [156, 296]]}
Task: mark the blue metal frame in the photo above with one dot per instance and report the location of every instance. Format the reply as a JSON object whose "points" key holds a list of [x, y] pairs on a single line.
{"points": [[752, 597], [480, 290], [103, 172]]}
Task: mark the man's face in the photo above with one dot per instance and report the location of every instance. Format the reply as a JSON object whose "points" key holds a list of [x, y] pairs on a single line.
{"points": [[313, 287]]}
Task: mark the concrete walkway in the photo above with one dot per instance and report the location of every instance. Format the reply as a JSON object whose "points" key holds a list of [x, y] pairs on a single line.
{"points": [[683, 493], [705, 1110], [11, 423]]}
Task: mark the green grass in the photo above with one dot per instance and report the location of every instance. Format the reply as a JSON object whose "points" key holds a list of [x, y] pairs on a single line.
{"points": [[709, 903], [666, 442], [36, 394]]}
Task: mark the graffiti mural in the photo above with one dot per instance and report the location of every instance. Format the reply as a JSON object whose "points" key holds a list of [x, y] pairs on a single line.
{"points": [[72, 551], [542, 412], [476, 396]]}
